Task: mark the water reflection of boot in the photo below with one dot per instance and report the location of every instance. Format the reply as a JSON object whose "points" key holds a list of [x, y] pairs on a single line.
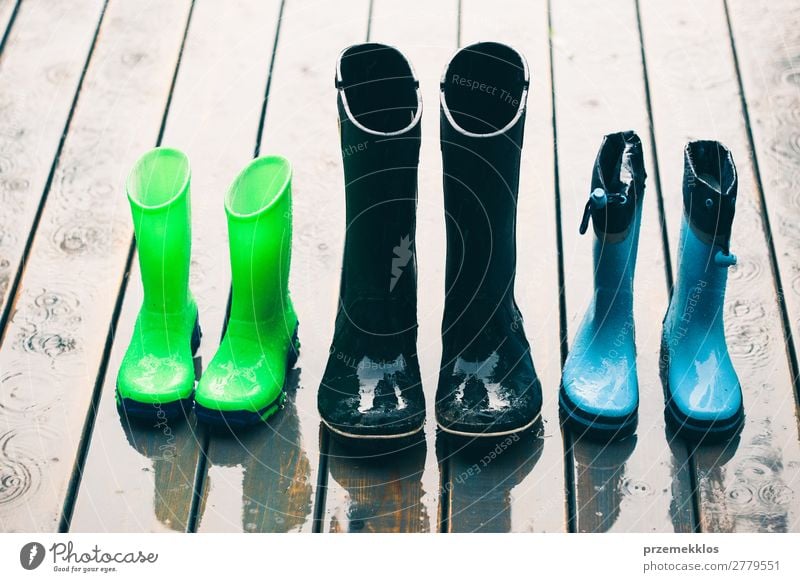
{"points": [[383, 484], [482, 476], [599, 473], [267, 466], [171, 445]]}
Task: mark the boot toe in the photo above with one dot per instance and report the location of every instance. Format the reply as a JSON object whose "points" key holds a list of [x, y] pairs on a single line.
{"points": [[243, 377], [372, 399], [156, 380], [502, 409], [460, 421], [376, 423], [599, 385], [704, 394], [237, 389], [491, 391], [601, 398], [357, 414], [715, 399]]}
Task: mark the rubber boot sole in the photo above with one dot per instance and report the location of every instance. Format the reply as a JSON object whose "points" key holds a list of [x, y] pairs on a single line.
{"points": [[692, 429], [594, 426], [489, 434], [159, 410], [236, 419], [342, 434]]}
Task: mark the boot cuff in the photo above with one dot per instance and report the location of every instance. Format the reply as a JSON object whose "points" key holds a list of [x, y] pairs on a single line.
{"points": [[158, 179], [619, 172], [484, 89], [710, 186], [378, 90], [258, 187]]}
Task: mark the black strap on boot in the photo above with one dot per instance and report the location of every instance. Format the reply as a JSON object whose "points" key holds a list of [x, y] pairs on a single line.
{"points": [[617, 185], [710, 186]]}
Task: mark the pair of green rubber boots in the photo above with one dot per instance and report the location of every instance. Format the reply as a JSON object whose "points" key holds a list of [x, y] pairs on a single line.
{"points": [[244, 381]]}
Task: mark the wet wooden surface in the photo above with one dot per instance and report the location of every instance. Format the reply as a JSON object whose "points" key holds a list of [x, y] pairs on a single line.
{"points": [[751, 485], [44, 58], [640, 485], [54, 342], [213, 116], [223, 82], [8, 11]]}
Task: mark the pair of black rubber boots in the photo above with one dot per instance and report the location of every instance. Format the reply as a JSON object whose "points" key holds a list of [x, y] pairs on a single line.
{"points": [[371, 387]]}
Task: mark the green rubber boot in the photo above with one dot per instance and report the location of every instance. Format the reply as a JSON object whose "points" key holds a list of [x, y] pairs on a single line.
{"points": [[244, 381], [157, 373]]}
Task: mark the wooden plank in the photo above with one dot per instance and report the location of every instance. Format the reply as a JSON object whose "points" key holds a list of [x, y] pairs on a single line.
{"points": [[55, 340], [522, 489], [40, 71], [397, 490], [767, 38], [141, 476], [8, 11], [751, 485], [767, 41], [627, 486], [273, 480]]}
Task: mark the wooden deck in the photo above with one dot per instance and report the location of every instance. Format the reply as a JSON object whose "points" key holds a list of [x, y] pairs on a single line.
{"points": [[87, 85]]}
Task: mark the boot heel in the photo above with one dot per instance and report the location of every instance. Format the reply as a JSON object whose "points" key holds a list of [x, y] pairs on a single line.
{"points": [[294, 350], [197, 361], [197, 335]]}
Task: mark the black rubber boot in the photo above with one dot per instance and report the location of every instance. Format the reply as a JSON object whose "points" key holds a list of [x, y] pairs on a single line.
{"points": [[487, 384], [371, 387]]}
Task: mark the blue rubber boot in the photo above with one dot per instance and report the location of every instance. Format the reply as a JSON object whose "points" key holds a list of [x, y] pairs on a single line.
{"points": [[599, 387], [702, 392]]}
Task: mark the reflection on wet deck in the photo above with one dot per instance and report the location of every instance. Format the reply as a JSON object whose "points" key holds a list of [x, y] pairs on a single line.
{"points": [[226, 81]]}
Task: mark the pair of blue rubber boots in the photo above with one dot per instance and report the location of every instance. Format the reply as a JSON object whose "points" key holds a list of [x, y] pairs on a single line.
{"points": [[599, 389]]}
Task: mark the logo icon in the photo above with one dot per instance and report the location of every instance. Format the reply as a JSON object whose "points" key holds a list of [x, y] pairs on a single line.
{"points": [[31, 555], [402, 254]]}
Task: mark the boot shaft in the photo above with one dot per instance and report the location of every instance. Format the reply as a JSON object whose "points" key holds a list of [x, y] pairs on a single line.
{"points": [[699, 293], [615, 209], [614, 270], [158, 192], [258, 206], [710, 188], [380, 109], [483, 97]]}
